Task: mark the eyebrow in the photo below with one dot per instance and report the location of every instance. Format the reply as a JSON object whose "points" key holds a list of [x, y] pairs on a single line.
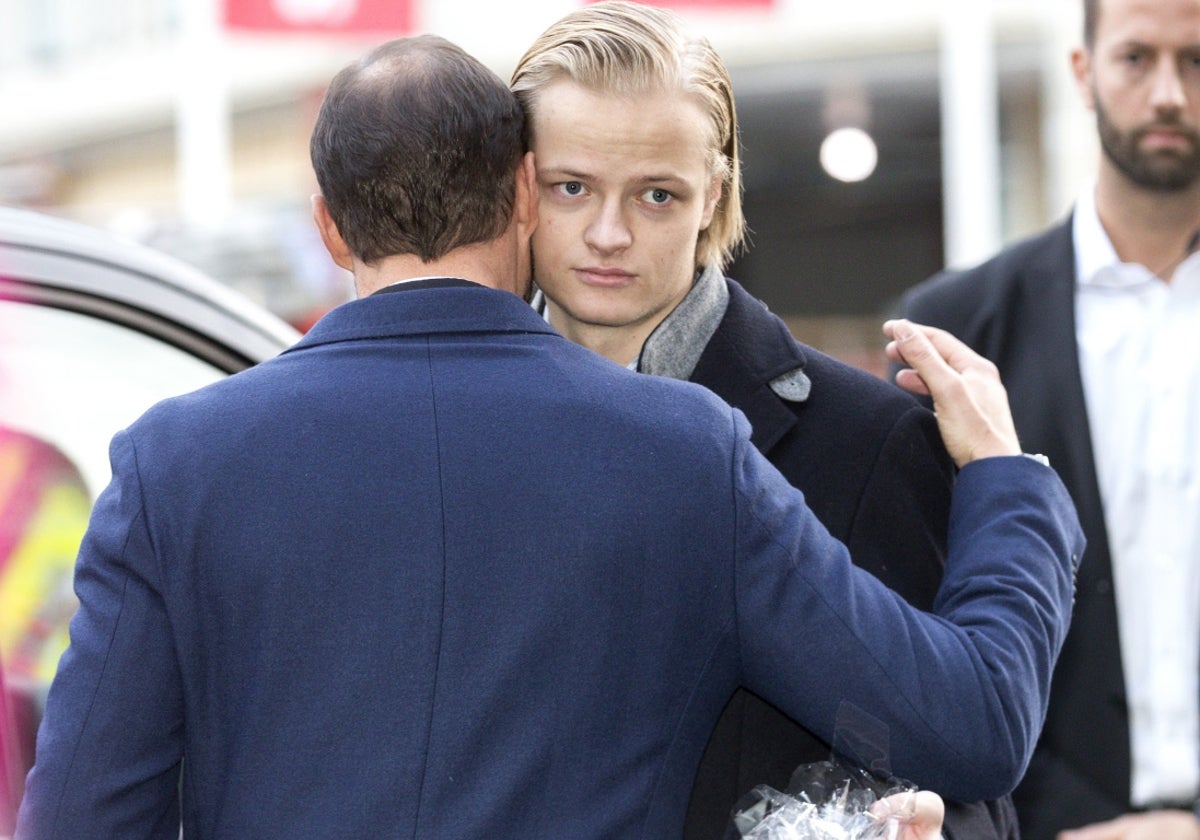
{"points": [[561, 172], [1136, 44], [571, 172]]}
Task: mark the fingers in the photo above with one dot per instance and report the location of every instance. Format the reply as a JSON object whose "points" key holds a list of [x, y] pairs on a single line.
{"points": [[927, 352], [911, 381], [913, 347], [929, 348], [928, 815], [901, 806], [968, 398], [921, 813]]}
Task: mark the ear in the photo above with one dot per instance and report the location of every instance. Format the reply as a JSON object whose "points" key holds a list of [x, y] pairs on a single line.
{"points": [[715, 189], [334, 244], [1082, 70], [525, 212]]}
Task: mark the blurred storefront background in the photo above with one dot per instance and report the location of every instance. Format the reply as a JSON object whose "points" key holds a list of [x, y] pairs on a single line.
{"points": [[882, 140]]}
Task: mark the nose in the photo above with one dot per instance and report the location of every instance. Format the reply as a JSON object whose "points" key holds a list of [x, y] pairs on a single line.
{"points": [[1167, 94], [608, 232]]}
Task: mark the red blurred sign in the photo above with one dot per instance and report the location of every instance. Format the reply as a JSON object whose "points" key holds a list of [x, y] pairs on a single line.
{"points": [[334, 16]]}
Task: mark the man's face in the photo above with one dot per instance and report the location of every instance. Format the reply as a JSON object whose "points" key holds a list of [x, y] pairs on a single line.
{"points": [[624, 190], [1142, 78]]}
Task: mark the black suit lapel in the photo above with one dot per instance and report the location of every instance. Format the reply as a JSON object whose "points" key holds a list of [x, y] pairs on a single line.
{"points": [[1055, 420]]}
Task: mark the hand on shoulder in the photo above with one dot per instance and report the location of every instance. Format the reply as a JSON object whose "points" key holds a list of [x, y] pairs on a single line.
{"points": [[969, 400]]}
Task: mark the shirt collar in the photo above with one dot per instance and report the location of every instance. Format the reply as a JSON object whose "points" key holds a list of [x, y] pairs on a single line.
{"points": [[1096, 261], [435, 281], [1093, 248]]}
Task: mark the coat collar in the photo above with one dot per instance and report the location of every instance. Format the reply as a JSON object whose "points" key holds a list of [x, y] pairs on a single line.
{"points": [[422, 311], [750, 349], [675, 345]]}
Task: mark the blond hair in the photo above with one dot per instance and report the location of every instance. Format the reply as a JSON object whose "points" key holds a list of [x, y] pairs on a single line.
{"points": [[626, 48]]}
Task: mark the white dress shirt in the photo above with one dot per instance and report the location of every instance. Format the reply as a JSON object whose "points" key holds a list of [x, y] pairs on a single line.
{"points": [[1139, 349]]}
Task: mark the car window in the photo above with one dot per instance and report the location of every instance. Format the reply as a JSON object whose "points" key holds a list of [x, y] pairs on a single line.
{"points": [[68, 382]]}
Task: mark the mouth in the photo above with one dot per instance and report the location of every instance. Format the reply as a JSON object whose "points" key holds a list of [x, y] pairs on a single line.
{"points": [[604, 277], [1167, 137]]}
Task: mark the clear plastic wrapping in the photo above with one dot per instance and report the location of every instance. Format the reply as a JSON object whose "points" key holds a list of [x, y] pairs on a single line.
{"points": [[828, 800]]}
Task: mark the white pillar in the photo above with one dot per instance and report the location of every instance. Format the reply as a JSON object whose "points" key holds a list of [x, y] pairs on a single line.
{"points": [[203, 135], [970, 133]]}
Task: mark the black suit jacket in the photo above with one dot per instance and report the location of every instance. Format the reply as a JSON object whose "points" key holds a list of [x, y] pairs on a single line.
{"points": [[873, 468], [1018, 310]]}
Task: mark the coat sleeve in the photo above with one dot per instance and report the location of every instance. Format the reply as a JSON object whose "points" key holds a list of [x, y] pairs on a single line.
{"points": [[957, 698], [110, 744]]}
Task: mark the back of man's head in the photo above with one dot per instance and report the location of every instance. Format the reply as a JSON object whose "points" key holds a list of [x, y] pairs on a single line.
{"points": [[415, 149]]}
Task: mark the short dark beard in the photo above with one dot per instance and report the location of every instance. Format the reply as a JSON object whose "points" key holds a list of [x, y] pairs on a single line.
{"points": [[1165, 171]]}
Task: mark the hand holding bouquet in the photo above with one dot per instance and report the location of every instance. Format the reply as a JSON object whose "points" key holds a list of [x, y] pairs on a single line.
{"points": [[832, 801]]}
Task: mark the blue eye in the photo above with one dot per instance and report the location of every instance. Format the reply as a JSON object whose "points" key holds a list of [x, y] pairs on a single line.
{"points": [[571, 187], [658, 196]]}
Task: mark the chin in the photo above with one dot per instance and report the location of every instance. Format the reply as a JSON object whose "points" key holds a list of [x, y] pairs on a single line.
{"points": [[603, 316]]}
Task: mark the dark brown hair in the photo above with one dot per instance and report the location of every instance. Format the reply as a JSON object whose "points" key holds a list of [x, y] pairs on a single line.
{"points": [[416, 149]]}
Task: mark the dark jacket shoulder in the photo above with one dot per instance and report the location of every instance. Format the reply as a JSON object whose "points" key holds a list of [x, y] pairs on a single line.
{"points": [[865, 453], [978, 304]]}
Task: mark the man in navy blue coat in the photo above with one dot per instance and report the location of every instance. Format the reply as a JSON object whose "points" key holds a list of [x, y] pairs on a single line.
{"points": [[419, 576]]}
